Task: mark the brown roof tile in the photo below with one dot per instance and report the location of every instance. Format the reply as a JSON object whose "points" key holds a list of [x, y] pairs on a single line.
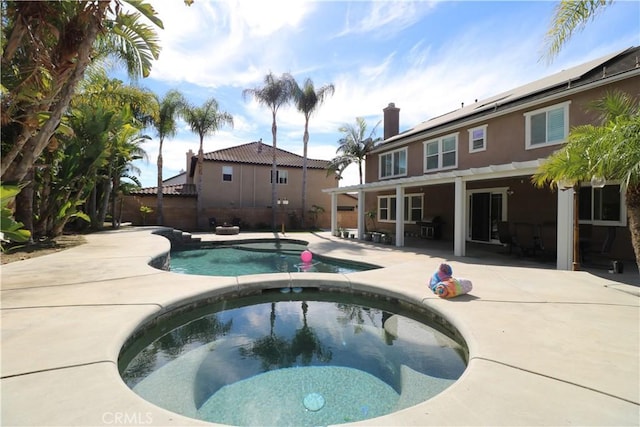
{"points": [[258, 153]]}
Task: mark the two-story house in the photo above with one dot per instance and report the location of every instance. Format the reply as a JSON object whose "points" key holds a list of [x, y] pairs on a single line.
{"points": [[237, 189], [465, 176]]}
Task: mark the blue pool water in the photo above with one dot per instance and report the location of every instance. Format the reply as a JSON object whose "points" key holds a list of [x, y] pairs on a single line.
{"points": [[305, 359], [255, 258]]}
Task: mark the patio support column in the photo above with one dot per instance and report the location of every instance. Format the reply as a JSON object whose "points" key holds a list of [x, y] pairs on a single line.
{"points": [[334, 213], [459, 224], [564, 230], [399, 216], [361, 218]]}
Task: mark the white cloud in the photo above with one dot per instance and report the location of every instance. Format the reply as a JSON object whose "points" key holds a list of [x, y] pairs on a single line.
{"points": [[227, 46], [383, 19]]}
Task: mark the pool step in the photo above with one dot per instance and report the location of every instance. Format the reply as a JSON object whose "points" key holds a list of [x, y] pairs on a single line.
{"points": [[179, 237], [185, 237]]}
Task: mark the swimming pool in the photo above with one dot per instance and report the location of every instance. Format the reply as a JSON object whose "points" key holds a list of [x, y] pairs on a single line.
{"points": [[315, 358], [256, 257]]}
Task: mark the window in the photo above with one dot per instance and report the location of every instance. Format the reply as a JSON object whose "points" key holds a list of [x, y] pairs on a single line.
{"points": [[227, 173], [282, 176], [393, 164], [412, 208], [441, 153], [602, 205], [478, 139], [547, 126]]}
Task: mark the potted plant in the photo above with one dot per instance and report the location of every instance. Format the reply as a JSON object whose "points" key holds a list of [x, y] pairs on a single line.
{"points": [[345, 233], [375, 237]]}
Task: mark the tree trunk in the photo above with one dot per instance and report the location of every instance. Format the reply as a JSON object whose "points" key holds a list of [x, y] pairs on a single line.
{"points": [[15, 168], [274, 173], [104, 205], [24, 205], [633, 211], [200, 202], [43, 208], [114, 194], [159, 204], [305, 143]]}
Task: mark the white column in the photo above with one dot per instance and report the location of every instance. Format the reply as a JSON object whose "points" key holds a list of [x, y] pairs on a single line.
{"points": [[361, 218], [399, 216], [459, 226], [334, 213], [564, 231]]}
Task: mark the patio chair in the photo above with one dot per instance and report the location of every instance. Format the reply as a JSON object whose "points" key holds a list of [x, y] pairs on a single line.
{"points": [[592, 256], [506, 238]]}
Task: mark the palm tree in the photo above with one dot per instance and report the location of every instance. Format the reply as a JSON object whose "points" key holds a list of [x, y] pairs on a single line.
{"points": [[611, 151], [307, 101], [165, 125], [48, 48], [570, 15], [354, 147], [275, 93], [205, 120]]}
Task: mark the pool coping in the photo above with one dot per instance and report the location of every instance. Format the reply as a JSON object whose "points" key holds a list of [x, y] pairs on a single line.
{"points": [[546, 347]]}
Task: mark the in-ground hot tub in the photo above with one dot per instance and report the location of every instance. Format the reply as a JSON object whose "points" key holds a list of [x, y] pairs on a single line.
{"points": [[309, 358]]}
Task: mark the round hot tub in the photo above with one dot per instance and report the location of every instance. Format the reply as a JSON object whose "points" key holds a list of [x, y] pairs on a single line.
{"points": [[303, 358]]}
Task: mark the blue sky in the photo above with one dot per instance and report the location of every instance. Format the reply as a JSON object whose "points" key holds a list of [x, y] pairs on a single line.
{"points": [[425, 56]]}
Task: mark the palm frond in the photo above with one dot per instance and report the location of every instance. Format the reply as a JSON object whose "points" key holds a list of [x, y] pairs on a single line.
{"points": [[570, 16]]}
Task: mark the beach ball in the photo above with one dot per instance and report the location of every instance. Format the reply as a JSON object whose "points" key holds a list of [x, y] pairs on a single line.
{"points": [[306, 256]]}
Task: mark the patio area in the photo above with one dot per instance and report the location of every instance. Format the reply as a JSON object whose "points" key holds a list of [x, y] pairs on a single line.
{"points": [[546, 347]]}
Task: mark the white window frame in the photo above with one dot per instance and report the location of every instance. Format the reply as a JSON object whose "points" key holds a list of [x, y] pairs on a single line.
{"points": [[439, 141], [483, 128], [282, 176], [528, 115], [393, 153], [227, 170], [391, 200], [622, 222]]}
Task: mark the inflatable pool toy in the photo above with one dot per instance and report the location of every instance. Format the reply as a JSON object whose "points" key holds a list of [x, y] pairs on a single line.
{"points": [[452, 287], [306, 256], [442, 273]]}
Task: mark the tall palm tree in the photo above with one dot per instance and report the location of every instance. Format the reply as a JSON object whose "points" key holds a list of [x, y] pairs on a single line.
{"points": [[205, 120], [354, 146], [165, 126], [611, 151], [276, 92], [308, 100], [570, 16], [49, 46]]}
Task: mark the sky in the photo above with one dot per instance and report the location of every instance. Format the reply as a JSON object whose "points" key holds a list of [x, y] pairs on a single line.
{"points": [[427, 57]]}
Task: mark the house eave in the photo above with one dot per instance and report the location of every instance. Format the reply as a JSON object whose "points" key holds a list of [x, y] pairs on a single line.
{"points": [[506, 170]]}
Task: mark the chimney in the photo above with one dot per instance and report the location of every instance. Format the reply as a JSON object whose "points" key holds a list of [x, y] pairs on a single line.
{"points": [[189, 171], [391, 120]]}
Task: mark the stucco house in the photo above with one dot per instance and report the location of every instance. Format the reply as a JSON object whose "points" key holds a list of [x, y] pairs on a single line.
{"points": [[465, 176], [237, 190]]}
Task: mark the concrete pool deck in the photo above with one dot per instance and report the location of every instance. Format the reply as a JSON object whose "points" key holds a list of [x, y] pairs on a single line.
{"points": [[546, 347]]}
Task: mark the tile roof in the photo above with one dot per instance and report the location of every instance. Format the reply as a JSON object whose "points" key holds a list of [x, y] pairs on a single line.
{"points": [[168, 190], [598, 69], [259, 153]]}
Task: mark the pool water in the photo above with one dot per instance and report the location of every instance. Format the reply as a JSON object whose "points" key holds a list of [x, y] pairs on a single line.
{"points": [[255, 258], [294, 359]]}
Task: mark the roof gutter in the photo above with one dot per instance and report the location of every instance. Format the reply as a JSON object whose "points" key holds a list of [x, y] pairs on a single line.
{"points": [[506, 170]]}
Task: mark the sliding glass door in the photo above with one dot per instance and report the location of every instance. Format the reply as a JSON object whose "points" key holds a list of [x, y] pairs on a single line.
{"points": [[486, 209]]}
